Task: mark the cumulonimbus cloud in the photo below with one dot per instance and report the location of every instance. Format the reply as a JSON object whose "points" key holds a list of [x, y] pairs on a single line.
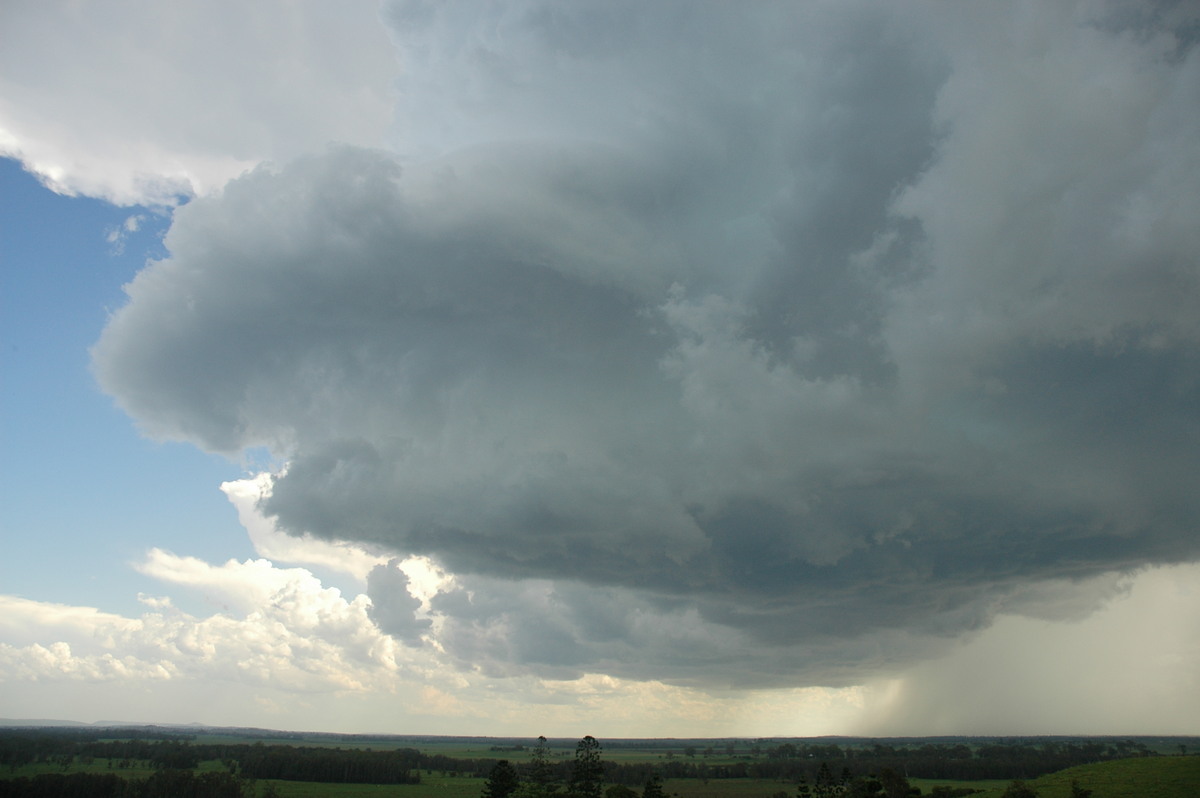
{"points": [[777, 369]]}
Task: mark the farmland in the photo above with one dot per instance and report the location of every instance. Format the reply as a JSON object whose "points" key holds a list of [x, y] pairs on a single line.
{"points": [[298, 765]]}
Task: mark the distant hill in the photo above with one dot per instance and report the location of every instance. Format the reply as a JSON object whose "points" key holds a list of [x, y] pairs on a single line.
{"points": [[1140, 777], [1149, 777]]}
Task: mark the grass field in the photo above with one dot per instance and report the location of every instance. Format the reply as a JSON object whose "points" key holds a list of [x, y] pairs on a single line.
{"points": [[989, 786], [1151, 777], [1148, 777]]}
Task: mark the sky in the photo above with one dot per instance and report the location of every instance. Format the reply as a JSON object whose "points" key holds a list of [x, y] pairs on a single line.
{"points": [[631, 369]]}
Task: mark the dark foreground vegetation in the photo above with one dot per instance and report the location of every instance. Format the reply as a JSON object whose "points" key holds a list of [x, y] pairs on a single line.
{"points": [[152, 762]]}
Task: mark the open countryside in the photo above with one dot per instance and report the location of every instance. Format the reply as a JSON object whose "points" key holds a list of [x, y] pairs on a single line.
{"points": [[248, 763], [600, 399]]}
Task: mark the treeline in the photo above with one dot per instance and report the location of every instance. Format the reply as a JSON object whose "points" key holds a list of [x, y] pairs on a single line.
{"points": [[994, 760], [163, 784], [791, 761], [329, 765], [24, 747], [588, 774], [256, 761], [861, 776]]}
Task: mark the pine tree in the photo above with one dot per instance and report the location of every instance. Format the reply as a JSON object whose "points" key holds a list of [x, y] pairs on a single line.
{"points": [[587, 773], [540, 781], [502, 782]]}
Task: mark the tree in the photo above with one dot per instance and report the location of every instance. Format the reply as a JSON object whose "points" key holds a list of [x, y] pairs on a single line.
{"points": [[1019, 789], [654, 788], [540, 782], [587, 773], [1078, 791], [894, 784], [863, 787], [502, 782], [826, 786]]}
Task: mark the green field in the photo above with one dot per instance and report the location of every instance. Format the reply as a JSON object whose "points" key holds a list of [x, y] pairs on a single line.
{"points": [[989, 787], [1143, 777], [1150, 777]]}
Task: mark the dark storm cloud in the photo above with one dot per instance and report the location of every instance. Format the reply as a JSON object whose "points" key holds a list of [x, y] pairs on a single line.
{"points": [[393, 607], [747, 345]]}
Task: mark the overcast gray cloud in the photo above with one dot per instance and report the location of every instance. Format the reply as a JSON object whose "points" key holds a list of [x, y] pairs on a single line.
{"points": [[767, 344]]}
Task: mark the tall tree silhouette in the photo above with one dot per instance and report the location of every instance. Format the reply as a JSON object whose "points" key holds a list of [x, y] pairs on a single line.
{"points": [[539, 781], [502, 782], [587, 772]]}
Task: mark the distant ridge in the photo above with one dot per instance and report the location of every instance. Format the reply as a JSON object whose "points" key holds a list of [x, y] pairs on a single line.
{"points": [[100, 724], [293, 736]]}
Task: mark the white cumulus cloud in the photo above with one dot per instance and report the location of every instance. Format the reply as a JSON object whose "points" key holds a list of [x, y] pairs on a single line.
{"points": [[141, 102]]}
